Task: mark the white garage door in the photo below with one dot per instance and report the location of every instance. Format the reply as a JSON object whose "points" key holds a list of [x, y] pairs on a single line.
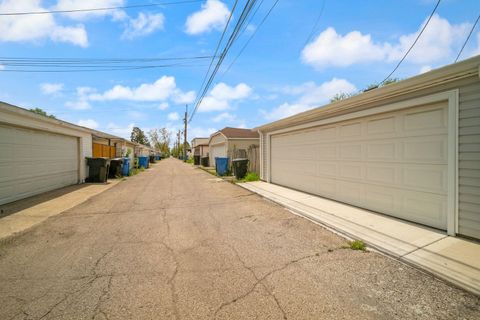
{"points": [[217, 150], [32, 162], [393, 163]]}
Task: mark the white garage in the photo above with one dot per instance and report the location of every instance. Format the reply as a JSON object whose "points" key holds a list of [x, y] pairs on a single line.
{"points": [[410, 150], [39, 154]]}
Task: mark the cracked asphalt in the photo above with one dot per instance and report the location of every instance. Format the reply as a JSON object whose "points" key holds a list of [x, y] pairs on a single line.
{"points": [[175, 243]]}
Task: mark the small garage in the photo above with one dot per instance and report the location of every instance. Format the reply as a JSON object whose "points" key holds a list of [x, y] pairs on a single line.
{"points": [[228, 141], [409, 150], [38, 154]]}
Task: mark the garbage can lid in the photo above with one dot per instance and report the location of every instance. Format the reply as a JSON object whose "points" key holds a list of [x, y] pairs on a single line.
{"points": [[240, 159]]}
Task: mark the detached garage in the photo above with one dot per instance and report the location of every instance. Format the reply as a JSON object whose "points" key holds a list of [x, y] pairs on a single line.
{"points": [[230, 141], [39, 154], [409, 150]]}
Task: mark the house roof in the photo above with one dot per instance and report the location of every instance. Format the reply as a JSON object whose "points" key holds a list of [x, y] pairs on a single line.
{"points": [[437, 77], [239, 133]]}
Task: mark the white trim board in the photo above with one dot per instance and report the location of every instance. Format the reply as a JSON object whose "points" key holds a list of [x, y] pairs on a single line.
{"points": [[450, 96]]}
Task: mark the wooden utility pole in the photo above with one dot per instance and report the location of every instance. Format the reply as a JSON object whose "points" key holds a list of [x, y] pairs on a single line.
{"points": [[178, 143], [185, 134]]}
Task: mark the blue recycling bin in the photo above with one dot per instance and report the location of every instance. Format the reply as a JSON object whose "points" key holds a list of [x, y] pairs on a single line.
{"points": [[143, 162], [126, 167], [221, 165]]}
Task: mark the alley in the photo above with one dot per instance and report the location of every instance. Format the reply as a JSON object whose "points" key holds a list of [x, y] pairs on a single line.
{"points": [[175, 242]]}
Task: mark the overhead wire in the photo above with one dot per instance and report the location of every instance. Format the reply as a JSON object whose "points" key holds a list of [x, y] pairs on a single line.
{"points": [[251, 37], [468, 38], [413, 44], [99, 9], [233, 36], [218, 46], [315, 25]]}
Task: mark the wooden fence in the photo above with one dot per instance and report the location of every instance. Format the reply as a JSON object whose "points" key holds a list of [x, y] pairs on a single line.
{"points": [[252, 154]]}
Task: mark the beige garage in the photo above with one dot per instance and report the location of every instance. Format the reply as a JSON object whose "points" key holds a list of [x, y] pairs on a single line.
{"points": [[39, 154], [409, 150], [394, 162], [33, 162]]}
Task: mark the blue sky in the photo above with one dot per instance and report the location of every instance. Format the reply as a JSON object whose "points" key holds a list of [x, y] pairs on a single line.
{"points": [[280, 73]]}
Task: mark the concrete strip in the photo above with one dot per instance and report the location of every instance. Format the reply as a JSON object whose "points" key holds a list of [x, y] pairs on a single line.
{"points": [[452, 259], [37, 213]]}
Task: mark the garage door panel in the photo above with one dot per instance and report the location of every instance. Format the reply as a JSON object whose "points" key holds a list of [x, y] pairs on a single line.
{"points": [[32, 162], [381, 126], [395, 163]]}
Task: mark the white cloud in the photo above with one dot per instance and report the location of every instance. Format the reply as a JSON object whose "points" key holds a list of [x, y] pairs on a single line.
{"points": [[137, 115], [173, 116], [285, 110], [2, 67], [309, 96], [424, 69], [89, 123], [121, 131], [87, 4], [160, 90], [225, 117], [51, 88], [78, 105], [180, 97], [144, 24], [222, 94], [37, 27], [200, 132], [332, 49], [82, 99], [438, 42], [213, 16], [163, 106]]}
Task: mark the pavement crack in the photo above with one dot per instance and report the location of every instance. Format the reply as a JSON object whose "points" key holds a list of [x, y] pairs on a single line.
{"points": [[98, 309], [259, 282]]}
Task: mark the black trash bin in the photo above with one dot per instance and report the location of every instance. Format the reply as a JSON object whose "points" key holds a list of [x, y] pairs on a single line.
{"points": [[97, 169], [196, 160], [205, 161], [115, 170], [152, 159], [240, 167]]}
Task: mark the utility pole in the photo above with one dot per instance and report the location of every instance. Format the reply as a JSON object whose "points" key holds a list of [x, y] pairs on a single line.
{"points": [[185, 134], [178, 143]]}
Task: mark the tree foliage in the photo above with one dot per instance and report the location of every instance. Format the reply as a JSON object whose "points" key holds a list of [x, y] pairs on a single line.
{"points": [[344, 95], [42, 113], [139, 136], [160, 139]]}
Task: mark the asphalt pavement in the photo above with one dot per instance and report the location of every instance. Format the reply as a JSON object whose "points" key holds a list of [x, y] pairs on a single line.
{"points": [[175, 242]]}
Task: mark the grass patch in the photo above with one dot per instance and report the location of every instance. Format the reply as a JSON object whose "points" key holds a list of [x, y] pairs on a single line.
{"points": [[251, 176], [135, 171], [357, 245], [189, 160]]}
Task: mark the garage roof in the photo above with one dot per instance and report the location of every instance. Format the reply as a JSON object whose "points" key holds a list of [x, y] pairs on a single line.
{"points": [[239, 133]]}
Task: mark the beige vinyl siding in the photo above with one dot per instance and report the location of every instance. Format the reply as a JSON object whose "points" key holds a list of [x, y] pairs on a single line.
{"points": [[469, 160]]}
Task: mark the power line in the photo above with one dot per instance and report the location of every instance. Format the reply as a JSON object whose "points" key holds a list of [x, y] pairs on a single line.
{"points": [[468, 38], [413, 44], [101, 70], [315, 25], [99, 9], [96, 60], [218, 46], [251, 37], [233, 36]]}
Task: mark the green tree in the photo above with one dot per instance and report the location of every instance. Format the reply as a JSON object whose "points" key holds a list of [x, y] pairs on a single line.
{"points": [[139, 136], [344, 95], [160, 140], [42, 113]]}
